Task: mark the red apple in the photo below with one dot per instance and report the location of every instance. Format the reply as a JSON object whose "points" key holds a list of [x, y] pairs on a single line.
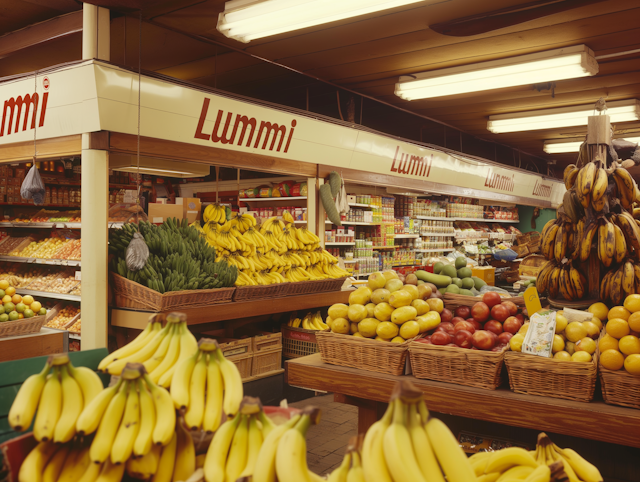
{"points": [[426, 340], [446, 315], [463, 338], [483, 340], [463, 311], [446, 326], [525, 313], [494, 326], [520, 317], [453, 345], [504, 337], [456, 319], [512, 325], [476, 325], [511, 306], [441, 338], [480, 312], [499, 347], [491, 298], [464, 325], [500, 313]]}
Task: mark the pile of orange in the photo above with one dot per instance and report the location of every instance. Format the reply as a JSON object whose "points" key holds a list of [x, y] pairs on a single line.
{"points": [[620, 346]]}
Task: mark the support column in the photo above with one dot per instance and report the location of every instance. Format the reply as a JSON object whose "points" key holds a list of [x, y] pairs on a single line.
{"points": [[96, 24], [95, 210]]}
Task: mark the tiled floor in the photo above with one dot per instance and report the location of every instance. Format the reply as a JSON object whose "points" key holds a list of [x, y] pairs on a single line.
{"points": [[327, 441]]}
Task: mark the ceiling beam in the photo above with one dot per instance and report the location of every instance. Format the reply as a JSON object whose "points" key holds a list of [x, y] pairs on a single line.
{"points": [[38, 33]]}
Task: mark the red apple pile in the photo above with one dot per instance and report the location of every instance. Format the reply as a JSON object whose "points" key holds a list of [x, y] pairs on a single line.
{"points": [[487, 325]]}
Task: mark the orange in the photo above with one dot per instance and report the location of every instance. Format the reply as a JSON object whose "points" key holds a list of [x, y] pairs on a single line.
{"points": [[618, 312], [16, 299], [630, 345], [576, 331], [20, 316], [599, 310], [617, 327], [612, 359], [634, 321], [607, 342], [632, 364], [586, 344], [6, 299], [632, 303], [4, 284], [10, 291], [592, 329]]}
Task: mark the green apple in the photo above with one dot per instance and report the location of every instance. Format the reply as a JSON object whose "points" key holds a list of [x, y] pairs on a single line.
{"points": [[28, 313], [9, 307], [20, 307], [14, 315], [2, 294], [4, 317], [1, 309], [43, 311]]}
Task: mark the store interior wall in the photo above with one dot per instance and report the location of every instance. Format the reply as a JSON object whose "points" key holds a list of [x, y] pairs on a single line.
{"points": [[526, 213]]}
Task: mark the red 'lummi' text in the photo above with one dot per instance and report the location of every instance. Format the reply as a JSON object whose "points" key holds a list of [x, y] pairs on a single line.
{"points": [[498, 181], [410, 164]]}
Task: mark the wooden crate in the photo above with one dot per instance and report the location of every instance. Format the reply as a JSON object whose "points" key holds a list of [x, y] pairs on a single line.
{"points": [[232, 347], [297, 342], [244, 364], [265, 341], [267, 361]]}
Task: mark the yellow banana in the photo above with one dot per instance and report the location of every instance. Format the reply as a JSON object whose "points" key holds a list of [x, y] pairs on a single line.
{"points": [[146, 466], [195, 411], [89, 382], [616, 292], [606, 243], [518, 472], [216, 461], [398, 450], [626, 186], [129, 428], [553, 282], [103, 441], [570, 179], [451, 457], [71, 407], [588, 178], [422, 448], [34, 464], [167, 462], [233, 390], [547, 242], [590, 231], [605, 286], [265, 466], [215, 393], [188, 347], [24, 406], [144, 440], [510, 457], [49, 408], [130, 348], [341, 472], [54, 467], [140, 356], [254, 445], [578, 282], [620, 244], [156, 359], [185, 464], [541, 474], [237, 458], [75, 466], [92, 473], [628, 278], [165, 413], [564, 285], [291, 454], [599, 185], [172, 353], [583, 469], [91, 415]]}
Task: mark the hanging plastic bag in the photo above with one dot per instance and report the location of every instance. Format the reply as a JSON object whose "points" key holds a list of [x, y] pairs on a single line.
{"points": [[137, 253], [32, 186], [341, 199]]}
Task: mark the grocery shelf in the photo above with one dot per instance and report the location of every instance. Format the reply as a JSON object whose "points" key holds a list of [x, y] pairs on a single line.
{"points": [[406, 236], [444, 235], [236, 310], [299, 222], [434, 250], [480, 220], [52, 262], [352, 223], [74, 336], [360, 205], [46, 294], [340, 244], [349, 261], [435, 218], [59, 225], [385, 247], [258, 199], [609, 423]]}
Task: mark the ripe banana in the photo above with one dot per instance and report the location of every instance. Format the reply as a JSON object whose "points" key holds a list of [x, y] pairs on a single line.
{"points": [[620, 244], [265, 467], [215, 463], [606, 243], [71, 407], [34, 464], [615, 290], [588, 173], [233, 390], [398, 450], [291, 454], [254, 445], [451, 457], [195, 412], [165, 413], [590, 231], [103, 441], [570, 175], [25, 404], [129, 427], [237, 458], [560, 245], [628, 278], [54, 466], [510, 457], [185, 464], [341, 472], [167, 461], [144, 440], [600, 185], [583, 469], [152, 328], [49, 408], [90, 417], [181, 380], [146, 466], [214, 398], [553, 282], [422, 447]]}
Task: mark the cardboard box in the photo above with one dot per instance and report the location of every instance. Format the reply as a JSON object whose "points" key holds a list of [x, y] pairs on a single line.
{"points": [[158, 213], [485, 273], [191, 207]]}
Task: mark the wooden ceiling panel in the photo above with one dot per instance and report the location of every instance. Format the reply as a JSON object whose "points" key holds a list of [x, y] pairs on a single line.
{"points": [[58, 51], [17, 14]]}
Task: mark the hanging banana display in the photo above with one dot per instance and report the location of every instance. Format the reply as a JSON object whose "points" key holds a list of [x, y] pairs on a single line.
{"points": [[598, 215]]}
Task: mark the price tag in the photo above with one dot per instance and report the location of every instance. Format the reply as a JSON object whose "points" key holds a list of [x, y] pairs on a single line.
{"points": [[78, 275], [531, 300]]}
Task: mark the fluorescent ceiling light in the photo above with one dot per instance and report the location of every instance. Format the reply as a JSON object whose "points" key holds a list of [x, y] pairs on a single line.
{"points": [[549, 66], [618, 111], [246, 20], [157, 167], [566, 145]]}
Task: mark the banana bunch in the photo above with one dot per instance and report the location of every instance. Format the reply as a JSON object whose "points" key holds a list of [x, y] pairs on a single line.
{"points": [[69, 462], [236, 447], [406, 444], [350, 470], [245, 279], [128, 418], [287, 217], [174, 462], [618, 283], [215, 213], [158, 349], [205, 386], [545, 464], [311, 321], [298, 273], [268, 278], [58, 393], [275, 225], [562, 279], [243, 222]]}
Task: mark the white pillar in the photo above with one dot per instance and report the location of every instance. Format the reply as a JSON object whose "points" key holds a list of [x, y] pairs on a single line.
{"points": [[96, 24], [95, 207]]}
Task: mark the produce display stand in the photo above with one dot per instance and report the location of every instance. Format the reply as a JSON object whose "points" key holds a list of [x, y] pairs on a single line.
{"points": [[369, 391]]}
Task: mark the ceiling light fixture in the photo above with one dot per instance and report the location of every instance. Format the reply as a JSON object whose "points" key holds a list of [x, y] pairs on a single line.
{"points": [[246, 20], [618, 111], [566, 145], [549, 66], [157, 167]]}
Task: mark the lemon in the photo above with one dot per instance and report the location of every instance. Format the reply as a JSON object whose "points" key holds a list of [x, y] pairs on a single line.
{"points": [[575, 331], [607, 342], [339, 310], [356, 313], [630, 345], [586, 344], [592, 329], [370, 309], [617, 328], [561, 323], [383, 311], [36, 306], [597, 322], [581, 356], [632, 364], [409, 329], [387, 330], [632, 303], [618, 312], [523, 329], [27, 300], [421, 306], [353, 328], [379, 338], [367, 327], [340, 325], [612, 359], [398, 339], [10, 291], [4, 284], [599, 310], [634, 322], [562, 355], [436, 304], [361, 296], [516, 342], [357, 334], [570, 347], [428, 321], [412, 290], [558, 344]]}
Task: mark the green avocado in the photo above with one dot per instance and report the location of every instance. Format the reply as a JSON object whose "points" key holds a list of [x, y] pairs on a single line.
{"points": [[449, 270], [466, 292], [457, 282], [467, 283], [461, 262], [464, 273], [437, 268], [453, 289]]}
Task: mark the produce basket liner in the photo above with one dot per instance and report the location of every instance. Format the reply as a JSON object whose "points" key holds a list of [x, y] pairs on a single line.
{"points": [[363, 353], [25, 326], [316, 286], [259, 292], [619, 387], [129, 294], [472, 368], [546, 377]]}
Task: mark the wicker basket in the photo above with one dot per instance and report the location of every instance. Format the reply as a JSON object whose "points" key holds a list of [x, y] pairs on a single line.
{"points": [[266, 361], [129, 294], [259, 292], [363, 353], [473, 368], [547, 377], [265, 341], [452, 300], [244, 364], [24, 326], [297, 342], [619, 387], [318, 286]]}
